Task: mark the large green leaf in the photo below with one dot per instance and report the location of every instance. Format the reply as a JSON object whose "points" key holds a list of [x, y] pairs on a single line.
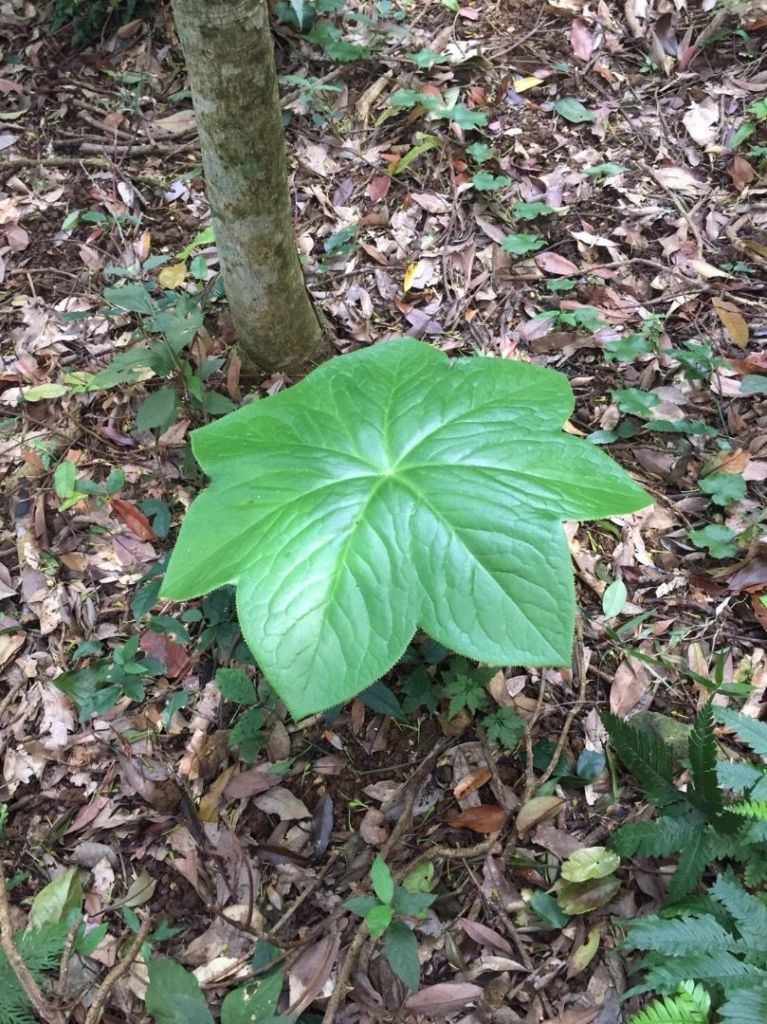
{"points": [[392, 489], [174, 996]]}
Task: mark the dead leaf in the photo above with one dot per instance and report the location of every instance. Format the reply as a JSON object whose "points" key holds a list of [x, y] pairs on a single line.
{"points": [[172, 276], [539, 809], [553, 263], [283, 803], [485, 818], [310, 973], [484, 936], [581, 40], [170, 654], [523, 84], [741, 172], [250, 783], [178, 123], [372, 827], [701, 120], [379, 187], [735, 461], [679, 179], [471, 782], [134, 519], [630, 684], [732, 321], [441, 1000]]}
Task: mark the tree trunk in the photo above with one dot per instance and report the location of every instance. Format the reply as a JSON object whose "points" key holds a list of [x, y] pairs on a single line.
{"points": [[230, 60]]}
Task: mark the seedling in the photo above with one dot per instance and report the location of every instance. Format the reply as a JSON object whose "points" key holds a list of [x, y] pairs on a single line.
{"points": [[384, 913]]}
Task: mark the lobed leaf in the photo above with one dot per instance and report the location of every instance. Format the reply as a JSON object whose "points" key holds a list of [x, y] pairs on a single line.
{"points": [[392, 489]]}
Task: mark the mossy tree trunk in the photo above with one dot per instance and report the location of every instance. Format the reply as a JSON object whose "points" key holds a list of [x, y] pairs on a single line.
{"points": [[230, 61]]}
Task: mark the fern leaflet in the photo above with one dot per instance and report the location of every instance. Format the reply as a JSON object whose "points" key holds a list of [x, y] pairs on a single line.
{"points": [[704, 793], [691, 865], [678, 936], [745, 1006], [690, 1005], [756, 809], [748, 912], [654, 838], [750, 730], [647, 757], [739, 776]]}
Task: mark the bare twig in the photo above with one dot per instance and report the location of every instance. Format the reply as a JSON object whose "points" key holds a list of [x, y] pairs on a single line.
{"points": [[120, 968], [44, 1011], [66, 956], [580, 674]]}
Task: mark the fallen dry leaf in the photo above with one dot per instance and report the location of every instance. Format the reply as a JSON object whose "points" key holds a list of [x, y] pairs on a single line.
{"points": [[442, 1000], [553, 263], [134, 519], [630, 684], [701, 120], [732, 321], [471, 782], [485, 819], [539, 809]]}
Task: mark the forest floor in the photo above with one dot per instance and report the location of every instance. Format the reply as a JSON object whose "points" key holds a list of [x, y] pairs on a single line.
{"points": [[615, 179]]}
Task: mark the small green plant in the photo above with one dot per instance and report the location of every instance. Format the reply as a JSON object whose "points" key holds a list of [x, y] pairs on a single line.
{"points": [[341, 245], [531, 211], [90, 18], [522, 243], [720, 946], [314, 94], [438, 109], [95, 688], [716, 538], [484, 181], [641, 343], [384, 913], [72, 488], [584, 318], [723, 488], [702, 952], [247, 735], [345, 510], [703, 824]]}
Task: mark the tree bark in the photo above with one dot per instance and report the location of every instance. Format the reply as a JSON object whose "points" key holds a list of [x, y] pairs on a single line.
{"points": [[230, 61]]}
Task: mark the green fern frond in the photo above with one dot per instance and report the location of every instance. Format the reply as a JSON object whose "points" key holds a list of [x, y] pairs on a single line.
{"points": [[654, 838], [704, 791], [739, 776], [748, 912], [754, 868], [691, 864], [750, 731], [756, 809], [719, 967], [41, 950], [678, 936], [15, 1008], [745, 1006], [645, 755], [690, 1005]]}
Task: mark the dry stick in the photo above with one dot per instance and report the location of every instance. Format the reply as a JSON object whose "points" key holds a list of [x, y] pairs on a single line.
{"points": [[66, 956], [529, 766], [43, 1009], [120, 968], [580, 675]]}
